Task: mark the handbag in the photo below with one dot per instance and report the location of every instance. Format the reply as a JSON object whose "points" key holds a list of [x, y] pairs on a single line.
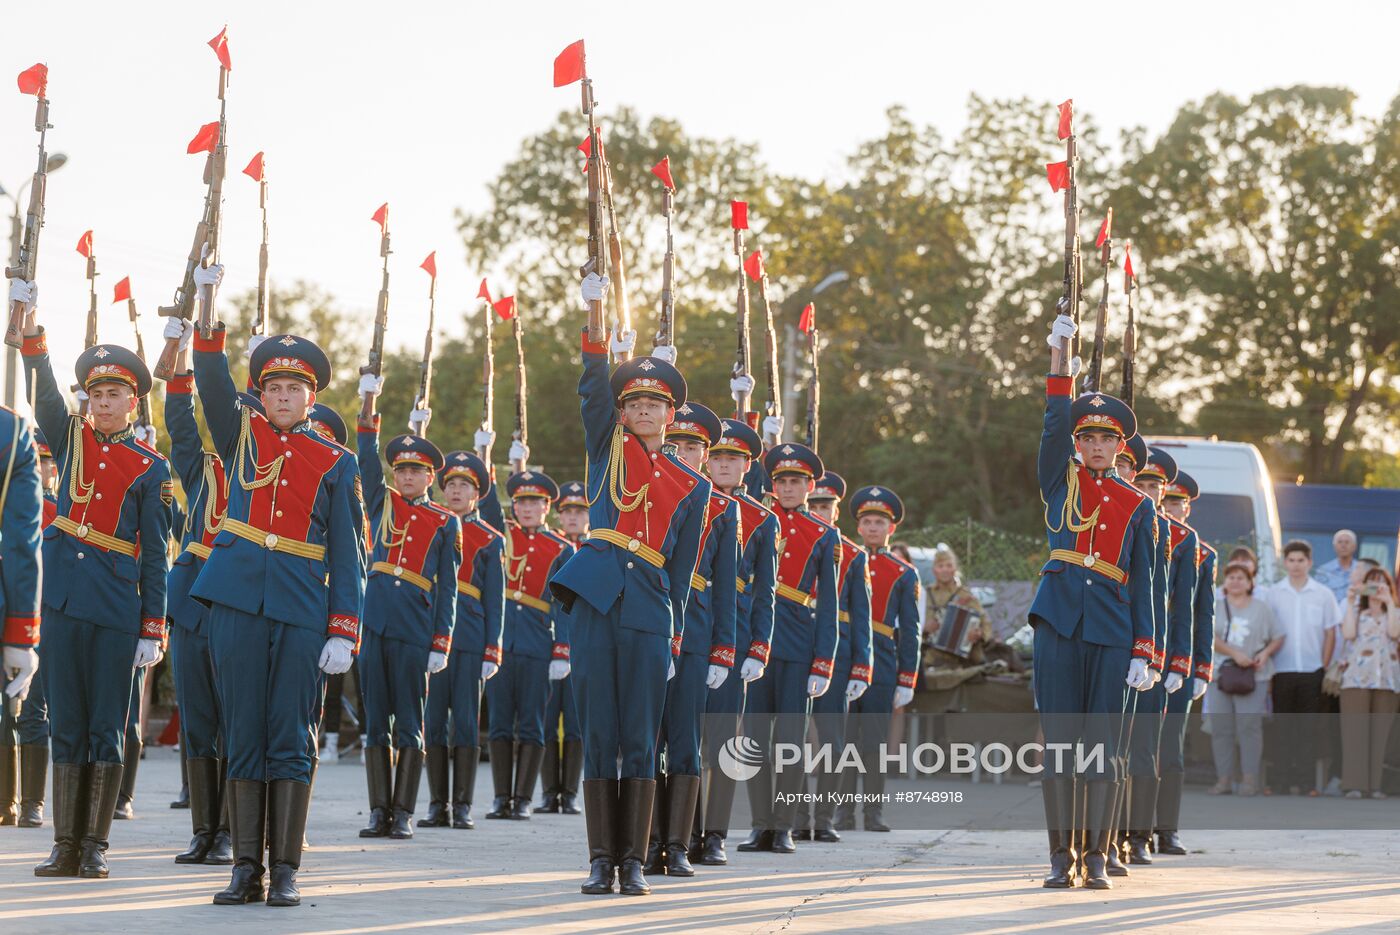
{"points": [[1231, 679]]}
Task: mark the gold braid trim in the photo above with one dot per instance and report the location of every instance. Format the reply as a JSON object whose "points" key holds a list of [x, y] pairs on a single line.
{"points": [[625, 500], [1071, 507], [78, 491], [213, 519], [262, 477]]}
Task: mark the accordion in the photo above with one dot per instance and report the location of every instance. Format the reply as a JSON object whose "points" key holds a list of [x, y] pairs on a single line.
{"points": [[955, 634]]}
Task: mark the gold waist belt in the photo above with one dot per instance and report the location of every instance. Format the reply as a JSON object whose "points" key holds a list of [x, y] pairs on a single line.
{"points": [[398, 571], [796, 596], [1107, 569], [87, 534], [272, 541], [635, 546]]}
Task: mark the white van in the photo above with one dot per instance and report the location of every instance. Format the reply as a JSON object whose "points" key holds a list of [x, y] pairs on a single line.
{"points": [[1236, 506]]}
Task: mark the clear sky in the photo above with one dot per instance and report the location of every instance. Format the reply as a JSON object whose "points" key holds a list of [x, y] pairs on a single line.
{"points": [[419, 104]]}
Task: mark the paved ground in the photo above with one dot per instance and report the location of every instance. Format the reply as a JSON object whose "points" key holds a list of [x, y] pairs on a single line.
{"points": [[518, 876]]}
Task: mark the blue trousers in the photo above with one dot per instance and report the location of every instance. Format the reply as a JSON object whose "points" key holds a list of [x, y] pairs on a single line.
{"points": [[681, 714], [454, 694], [133, 710], [1082, 697], [723, 708], [620, 687], [1145, 735], [270, 690], [195, 694], [1171, 755], [561, 703], [33, 720], [518, 693], [829, 710], [87, 676], [778, 704], [394, 676]]}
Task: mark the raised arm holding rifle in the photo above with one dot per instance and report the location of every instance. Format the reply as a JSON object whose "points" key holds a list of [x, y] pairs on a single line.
{"points": [[85, 249], [257, 171], [1093, 381], [665, 336], [145, 427], [35, 81]]}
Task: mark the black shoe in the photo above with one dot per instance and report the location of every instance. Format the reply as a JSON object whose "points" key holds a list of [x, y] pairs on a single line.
{"points": [[600, 815], [844, 822], [183, 799], [464, 763], [635, 800], [401, 825], [407, 774], [568, 805], [630, 879], [500, 807], [601, 872], [1138, 850], [1095, 874], [758, 841], [655, 863], [1169, 842], [379, 823], [69, 816], [123, 810], [437, 816], [245, 887], [875, 822], [712, 852], [438, 765], [1114, 864], [678, 863], [826, 836], [782, 843], [247, 814], [462, 817], [220, 850], [1061, 867], [682, 797], [379, 778], [288, 804], [548, 804], [803, 834], [104, 785], [33, 776], [282, 886]]}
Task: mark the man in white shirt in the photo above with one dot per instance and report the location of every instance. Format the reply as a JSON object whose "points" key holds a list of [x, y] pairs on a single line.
{"points": [[1307, 615], [1336, 574]]}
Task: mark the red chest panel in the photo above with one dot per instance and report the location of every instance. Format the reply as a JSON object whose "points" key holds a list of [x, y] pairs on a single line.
{"points": [[411, 533], [751, 516], [713, 509], [529, 556], [667, 485], [284, 506], [50, 511], [798, 535], [109, 469], [885, 570], [220, 495], [476, 536], [848, 554], [1115, 502], [1179, 532]]}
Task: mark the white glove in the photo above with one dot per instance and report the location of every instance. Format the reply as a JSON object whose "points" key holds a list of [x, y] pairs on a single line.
{"points": [[336, 655], [1138, 679], [1174, 681], [666, 352], [817, 686], [854, 689], [1198, 688], [670, 669], [519, 452], [484, 439], [179, 329], [1061, 331], [715, 677], [147, 434], [253, 342], [772, 426], [20, 665], [751, 669], [558, 669], [22, 290], [370, 385], [148, 653], [1076, 364], [80, 396], [420, 417], [623, 343], [488, 669], [594, 288], [1156, 676], [741, 386], [436, 662], [902, 696], [209, 276]]}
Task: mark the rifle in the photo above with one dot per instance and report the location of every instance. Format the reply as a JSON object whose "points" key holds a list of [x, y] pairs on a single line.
{"points": [[1130, 331], [143, 405], [770, 364], [1068, 303], [260, 313], [739, 220], [814, 389], [488, 374], [666, 326], [425, 368], [90, 333], [597, 254], [28, 265], [1093, 379], [375, 363], [619, 269], [522, 429]]}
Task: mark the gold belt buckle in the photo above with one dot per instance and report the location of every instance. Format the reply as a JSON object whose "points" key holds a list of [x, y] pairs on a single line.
{"points": [[83, 530], [633, 545], [270, 542], [518, 594], [398, 571], [1088, 561]]}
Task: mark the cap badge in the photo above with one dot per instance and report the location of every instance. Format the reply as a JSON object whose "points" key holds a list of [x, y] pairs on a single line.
{"points": [[287, 340], [646, 365], [102, 352], [1097, 401]]}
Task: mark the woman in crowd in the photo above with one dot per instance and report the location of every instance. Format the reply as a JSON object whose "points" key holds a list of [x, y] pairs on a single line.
{"points": [[948, 589], [1370, 682], [1246, 636]]}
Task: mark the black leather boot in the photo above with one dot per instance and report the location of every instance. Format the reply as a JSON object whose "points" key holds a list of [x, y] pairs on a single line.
{"points": [[527, 771], [682, 794], [1056, 794], [1099, 805], [288, 802], [719, 803], [824, 809], [844, 818], [635, 800], [9, 782], [247, 815], [873, 810], [571, 773], [1169, 813], [407, 775], [221, 848], [203, 776], [437, 769], [104, 786], [655, 862], [502, 753], [712, 849], [33, 777], [131, 758], [379, 777], [549, 779], [600, 819], [464, 762], [69, 816], [1142, 810]]}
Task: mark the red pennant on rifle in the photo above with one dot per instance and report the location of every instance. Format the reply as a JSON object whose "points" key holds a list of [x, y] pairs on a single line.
{"points": [[662, 170], [754, 265], [1105, 229], [123, 290], [505, 307], [1128, 261], [1058, 174], [482, 292], [381, 217], [586, 147], [739, 215], [254, 169], [205, 140], [220, 46], [1066, 119], [808, 320], [569, 65], [430, 264], [34, 80], [85, 244]]}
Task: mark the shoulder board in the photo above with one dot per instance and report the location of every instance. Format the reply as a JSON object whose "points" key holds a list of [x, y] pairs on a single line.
{"points": [[148, 449], [487, 526]]}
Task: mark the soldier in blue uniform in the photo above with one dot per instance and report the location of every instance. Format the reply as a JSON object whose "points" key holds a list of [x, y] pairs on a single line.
{"points": [[107, 606], [853, 659], [732, 459], [706, 653], [284, 585], [804, 641], [560, 775], [626, 593], [535, 645], [410, 609], [455, 693], [894, 625], [1197, 561], [1093, 627]]}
